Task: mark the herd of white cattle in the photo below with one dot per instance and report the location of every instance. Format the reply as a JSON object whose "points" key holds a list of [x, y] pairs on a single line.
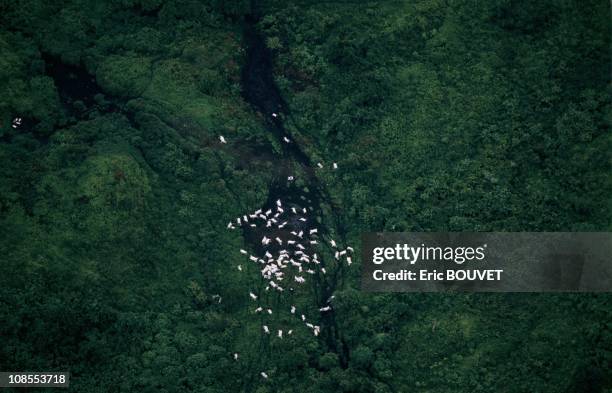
{"points": [[289, 258]]}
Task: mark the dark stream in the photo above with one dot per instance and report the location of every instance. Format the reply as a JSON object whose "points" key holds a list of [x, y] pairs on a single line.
{"points": [[73, 83], [261, 92]]}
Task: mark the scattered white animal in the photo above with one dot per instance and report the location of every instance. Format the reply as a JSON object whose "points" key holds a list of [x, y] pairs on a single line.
{"points": [[287, 140], [275, 261], [222, 139]]}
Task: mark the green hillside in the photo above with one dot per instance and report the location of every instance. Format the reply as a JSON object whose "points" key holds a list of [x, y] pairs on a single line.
{"points": [[115, 190]]}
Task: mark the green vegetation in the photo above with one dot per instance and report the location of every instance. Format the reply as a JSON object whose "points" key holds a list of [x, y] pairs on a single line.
{"points": [[442, 116]]}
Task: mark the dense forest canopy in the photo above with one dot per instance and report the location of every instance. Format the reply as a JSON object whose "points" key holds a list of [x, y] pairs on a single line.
{"points": [[442, 115]]}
